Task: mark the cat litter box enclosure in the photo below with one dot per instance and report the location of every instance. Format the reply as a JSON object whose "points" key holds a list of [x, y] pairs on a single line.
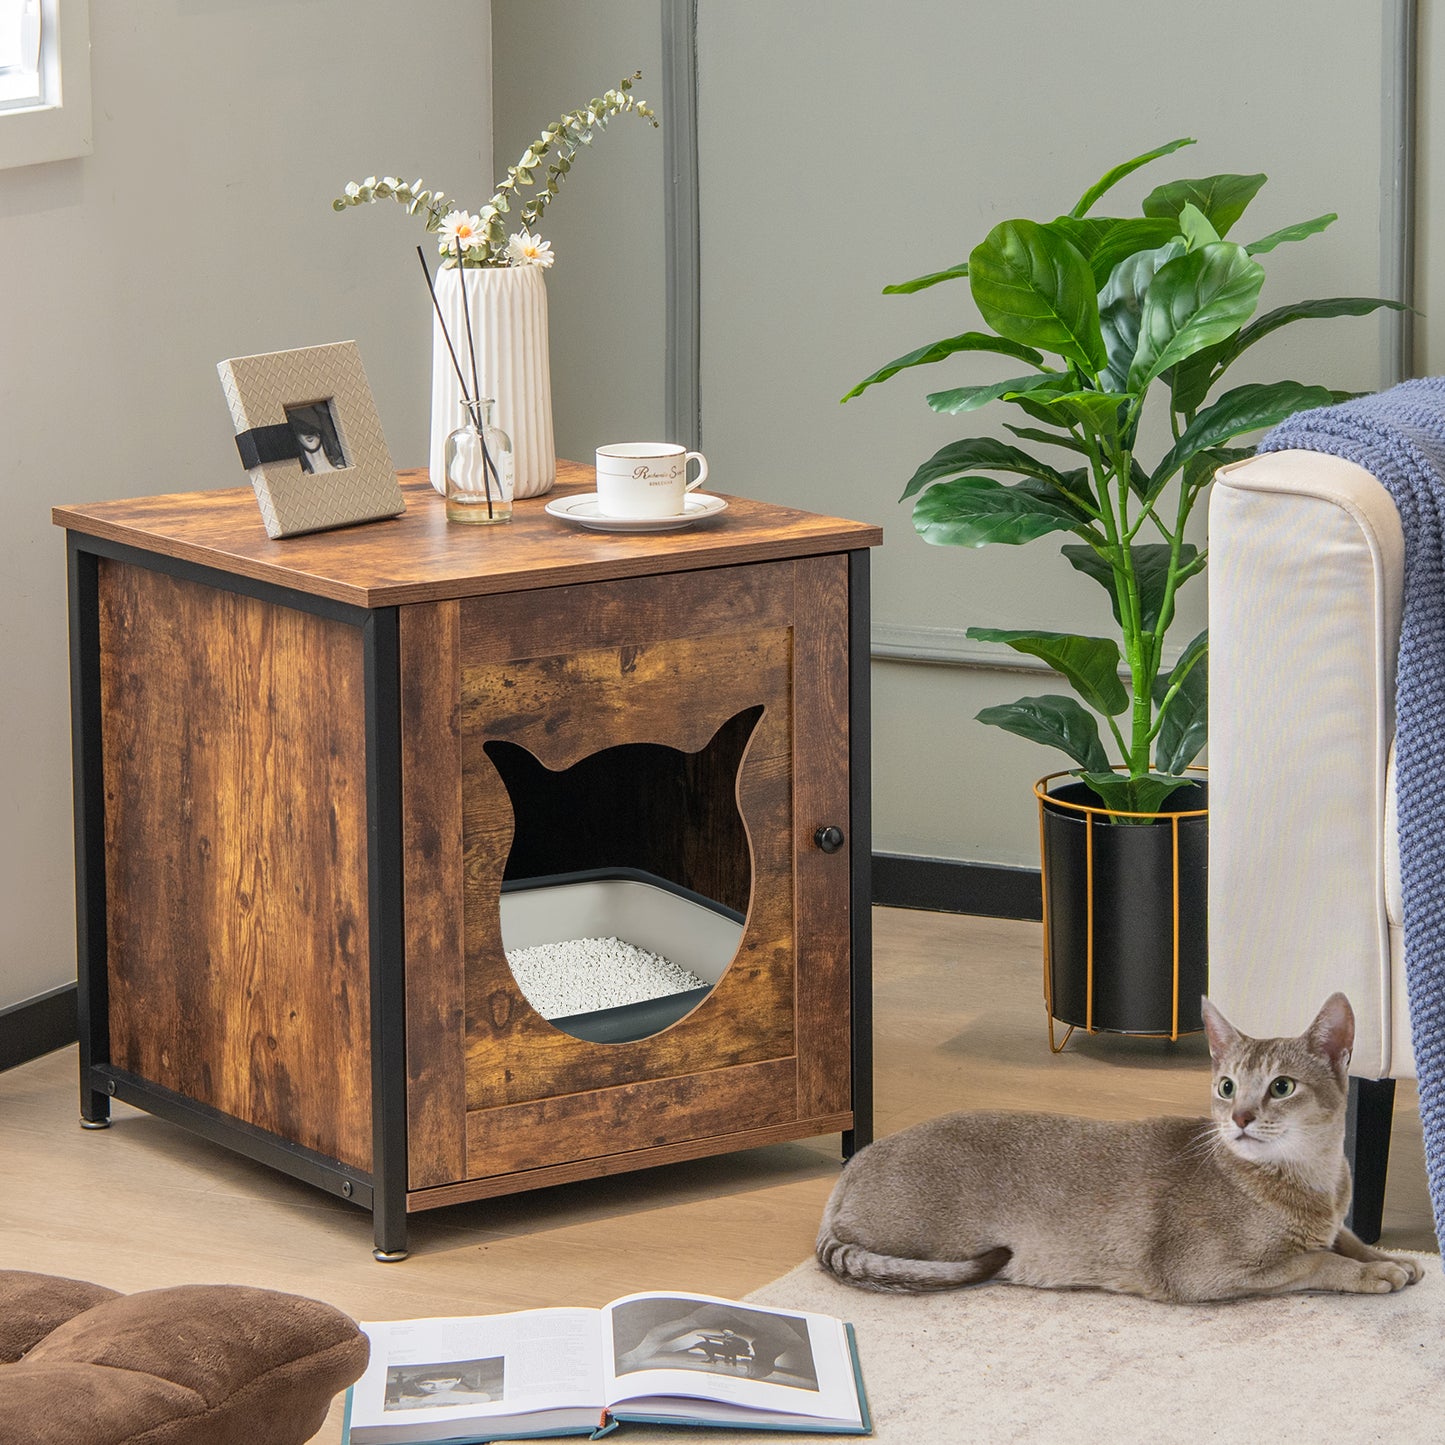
{"points": [[316, 778]]}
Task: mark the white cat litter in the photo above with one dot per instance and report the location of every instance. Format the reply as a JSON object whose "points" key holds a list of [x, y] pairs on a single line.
{"points": [[579, 975]]}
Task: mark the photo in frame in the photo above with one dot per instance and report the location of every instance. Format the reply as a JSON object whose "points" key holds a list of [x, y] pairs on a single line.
{"points": [[310, 439]]}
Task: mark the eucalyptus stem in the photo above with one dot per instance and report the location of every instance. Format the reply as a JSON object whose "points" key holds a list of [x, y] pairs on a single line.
{"points": [[563, 138]]}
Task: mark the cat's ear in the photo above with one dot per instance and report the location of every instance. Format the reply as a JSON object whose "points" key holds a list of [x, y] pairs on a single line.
{"points": [[1223, 1036], [1332, 1034]]}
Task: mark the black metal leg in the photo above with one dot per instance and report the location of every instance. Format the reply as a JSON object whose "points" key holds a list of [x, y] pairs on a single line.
{"points": [[92, 1010], [1367, 1147], [388, 940], [861, 842]]}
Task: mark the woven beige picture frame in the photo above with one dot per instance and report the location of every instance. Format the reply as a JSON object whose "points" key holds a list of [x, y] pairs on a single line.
{"points": [[348, 479]]}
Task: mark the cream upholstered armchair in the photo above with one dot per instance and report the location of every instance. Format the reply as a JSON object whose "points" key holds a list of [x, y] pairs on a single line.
{"points": [[1306, 566]]}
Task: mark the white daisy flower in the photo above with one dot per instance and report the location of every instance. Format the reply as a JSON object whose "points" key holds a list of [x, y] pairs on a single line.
{"points": [[525, 249], [459, 233]]}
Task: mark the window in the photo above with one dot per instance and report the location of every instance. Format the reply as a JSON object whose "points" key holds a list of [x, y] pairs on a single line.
{"points": [[20, 77], [44, 80]]}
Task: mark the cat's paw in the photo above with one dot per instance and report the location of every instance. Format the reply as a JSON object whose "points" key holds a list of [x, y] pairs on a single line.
{"points": [[1384, 1276], [1412, 1267]]}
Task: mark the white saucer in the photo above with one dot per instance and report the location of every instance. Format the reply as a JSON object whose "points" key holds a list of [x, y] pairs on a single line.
{"points": [[584, 511]]}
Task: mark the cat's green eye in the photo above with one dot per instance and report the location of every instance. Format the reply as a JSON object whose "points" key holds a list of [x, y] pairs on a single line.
{"points": [[1281, 1088], [1226, 1088]]}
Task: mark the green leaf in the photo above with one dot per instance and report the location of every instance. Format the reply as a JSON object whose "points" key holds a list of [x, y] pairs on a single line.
{"points": [[1195, 227], [1151, 574], [1190, 380], [970, 398], [1035, 404], [978, 511], [1199, 470], [1105, 241], [1194, 301], [1297, 232], [1123, 794], [1048, 438], [1121, 303], [982, 452], [1222, 199], [1095, 412], [1057, 722], [1112, 178], [940, 350], [1091, 664], [1072, 490], [1032, 286], [1184, 728], [1194, 655], [921, 283], [1324, 309], [1245, 409]]}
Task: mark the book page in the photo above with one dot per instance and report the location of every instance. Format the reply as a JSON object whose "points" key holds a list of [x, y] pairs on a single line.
{"points": [[700, 1348], [429, 1372]]}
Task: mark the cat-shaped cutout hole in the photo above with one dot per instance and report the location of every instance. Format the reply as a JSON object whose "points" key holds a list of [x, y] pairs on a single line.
{"points": [[628, 880]]}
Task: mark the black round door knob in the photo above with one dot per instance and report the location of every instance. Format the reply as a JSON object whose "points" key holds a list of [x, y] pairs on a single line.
{"points": [[829, 839]]}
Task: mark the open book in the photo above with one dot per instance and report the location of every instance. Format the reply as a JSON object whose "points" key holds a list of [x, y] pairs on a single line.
{"points": [[674, 1359]]}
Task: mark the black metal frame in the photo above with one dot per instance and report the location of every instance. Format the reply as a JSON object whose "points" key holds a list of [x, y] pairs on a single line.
{"points": [[383, 1190], [382, 644], [860, 829], [92, 986]]}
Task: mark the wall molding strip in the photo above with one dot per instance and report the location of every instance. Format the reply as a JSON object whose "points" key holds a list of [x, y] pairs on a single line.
{"points": [[945, 885], [1399, 128], [952, 647], [682, 223]]}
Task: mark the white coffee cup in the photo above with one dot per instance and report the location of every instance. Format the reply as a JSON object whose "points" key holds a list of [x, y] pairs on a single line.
{"points": [[645, 479]]}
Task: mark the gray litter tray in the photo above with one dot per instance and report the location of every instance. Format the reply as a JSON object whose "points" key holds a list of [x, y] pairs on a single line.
{"points": [[640, 908]]}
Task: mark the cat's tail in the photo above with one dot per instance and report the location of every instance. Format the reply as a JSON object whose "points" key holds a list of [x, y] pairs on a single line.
{"points": [[855, 1265]]}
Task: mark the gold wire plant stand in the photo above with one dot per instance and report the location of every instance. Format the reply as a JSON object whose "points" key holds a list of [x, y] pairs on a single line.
{"points": [[1141, 898]]}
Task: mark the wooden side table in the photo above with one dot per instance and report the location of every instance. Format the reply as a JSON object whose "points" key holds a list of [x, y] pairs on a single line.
{"points": [[294, 819]]}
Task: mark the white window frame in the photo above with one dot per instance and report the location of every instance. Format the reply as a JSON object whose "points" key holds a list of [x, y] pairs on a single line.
{"points": [[58, 127]]}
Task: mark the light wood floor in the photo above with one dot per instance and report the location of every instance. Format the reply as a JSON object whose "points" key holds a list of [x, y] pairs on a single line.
{"points": [[959, 1024]]}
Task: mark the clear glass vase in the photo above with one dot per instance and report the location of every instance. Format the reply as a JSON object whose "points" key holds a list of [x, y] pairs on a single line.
{"points": [[479, 467]]}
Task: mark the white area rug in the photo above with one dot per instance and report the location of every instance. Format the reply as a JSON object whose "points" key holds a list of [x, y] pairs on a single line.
{"points": [[1000, 1363]]}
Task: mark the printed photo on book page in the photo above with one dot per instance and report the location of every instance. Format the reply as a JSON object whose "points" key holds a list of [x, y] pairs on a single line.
{"points": [[704, 1348], [441, 1371]]}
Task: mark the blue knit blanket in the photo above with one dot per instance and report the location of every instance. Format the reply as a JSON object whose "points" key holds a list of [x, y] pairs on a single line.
{"points": [[1399, 435]]}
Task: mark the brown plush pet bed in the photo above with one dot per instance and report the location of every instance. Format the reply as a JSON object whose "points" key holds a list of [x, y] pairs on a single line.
{"points": [[190, 1365]]}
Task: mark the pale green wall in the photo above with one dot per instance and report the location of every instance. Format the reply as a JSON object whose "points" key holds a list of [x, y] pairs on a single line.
{"points": [[844, 145], [199, 228], [605, 293]]}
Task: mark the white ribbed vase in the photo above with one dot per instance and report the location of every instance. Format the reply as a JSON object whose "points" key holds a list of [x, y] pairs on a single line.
{"points": [[509, 327]]}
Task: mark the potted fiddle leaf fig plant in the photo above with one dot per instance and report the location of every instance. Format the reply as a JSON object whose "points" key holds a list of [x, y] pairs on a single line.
{"points": [[1114, 319]]}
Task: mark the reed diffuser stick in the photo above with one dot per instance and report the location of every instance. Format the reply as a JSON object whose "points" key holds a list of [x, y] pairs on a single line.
{"points": [[488, 467], [437, 306]]}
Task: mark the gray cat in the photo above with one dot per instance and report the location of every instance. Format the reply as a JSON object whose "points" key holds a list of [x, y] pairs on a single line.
{"points": [[1250, 1202]]}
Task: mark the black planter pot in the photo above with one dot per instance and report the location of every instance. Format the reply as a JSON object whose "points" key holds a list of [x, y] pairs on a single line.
{"points": [[1136, 961]]}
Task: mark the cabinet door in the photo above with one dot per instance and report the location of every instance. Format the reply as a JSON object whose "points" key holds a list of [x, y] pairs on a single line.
{"points": [[701, 720]]}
